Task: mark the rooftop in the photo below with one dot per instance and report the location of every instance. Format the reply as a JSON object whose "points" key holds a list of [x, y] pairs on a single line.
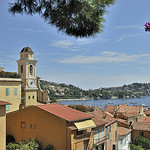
{"points": [[102, 118], [143, 126], [27, 49], [123, 131], [65, 112], [146, 119], [2, 103]]}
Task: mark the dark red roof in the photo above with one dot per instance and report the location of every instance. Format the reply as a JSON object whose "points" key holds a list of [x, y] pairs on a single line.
{"points": [[64, 112], [4, 103]]}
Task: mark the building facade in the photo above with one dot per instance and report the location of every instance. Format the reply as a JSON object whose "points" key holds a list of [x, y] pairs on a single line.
{"points": [[27, 71], [124, 138], [58, 125], [3, 124], [10, 91]]}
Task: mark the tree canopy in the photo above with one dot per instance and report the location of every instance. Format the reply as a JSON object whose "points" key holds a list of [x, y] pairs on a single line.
{"points": [[78, 18]]}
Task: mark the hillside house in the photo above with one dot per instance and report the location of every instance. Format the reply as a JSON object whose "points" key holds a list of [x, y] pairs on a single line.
{"points": [[55, 124]]}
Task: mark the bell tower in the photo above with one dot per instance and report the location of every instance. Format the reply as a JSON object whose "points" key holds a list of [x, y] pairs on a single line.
{"points": [[27, 71]]}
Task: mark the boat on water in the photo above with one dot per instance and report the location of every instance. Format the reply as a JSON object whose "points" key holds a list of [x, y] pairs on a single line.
{"points": [[132, 102], [110, 103], [144, 105]]}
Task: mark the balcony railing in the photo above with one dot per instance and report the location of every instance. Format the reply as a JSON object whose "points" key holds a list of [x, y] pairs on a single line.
{"points": [[100, 140], [82, 136]]}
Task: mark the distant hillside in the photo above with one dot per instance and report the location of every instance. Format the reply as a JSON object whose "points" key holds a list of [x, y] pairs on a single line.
{"points": [[64, 91]]}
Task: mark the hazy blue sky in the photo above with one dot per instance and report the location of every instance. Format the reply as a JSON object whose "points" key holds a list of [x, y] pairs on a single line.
{"points": [[118, 56]]}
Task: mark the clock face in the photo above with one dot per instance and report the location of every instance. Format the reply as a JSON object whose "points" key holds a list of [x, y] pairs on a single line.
{"points": [[31, 82]]}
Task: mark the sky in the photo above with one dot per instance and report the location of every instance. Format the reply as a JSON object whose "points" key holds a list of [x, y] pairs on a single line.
{"points": [[119, 55]]}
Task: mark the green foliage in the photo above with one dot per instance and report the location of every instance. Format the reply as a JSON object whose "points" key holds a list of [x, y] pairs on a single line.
{"points": [[10, 138], [79, 18], [9, 75], [79, 107], [53, 100], [134, 147], [30, 144], [143, 142], [12, 146], [64, 91]]}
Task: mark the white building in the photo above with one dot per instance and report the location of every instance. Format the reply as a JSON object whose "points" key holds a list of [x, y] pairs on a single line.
{"points": [[124, 138]]}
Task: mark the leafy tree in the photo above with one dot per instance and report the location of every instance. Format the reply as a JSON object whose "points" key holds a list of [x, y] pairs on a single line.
{"points": [[30, 144], [143, 142], [53, 100], [79, 107], [134, 147], [79, 18]]}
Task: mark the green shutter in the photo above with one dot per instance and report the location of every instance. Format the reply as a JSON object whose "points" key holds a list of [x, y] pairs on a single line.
{"points": [[7, 107], [15, 91], [7, 91]]}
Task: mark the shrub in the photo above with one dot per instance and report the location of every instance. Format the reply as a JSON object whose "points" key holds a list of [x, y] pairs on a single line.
{"points": [[144, 142], [10, 138]]}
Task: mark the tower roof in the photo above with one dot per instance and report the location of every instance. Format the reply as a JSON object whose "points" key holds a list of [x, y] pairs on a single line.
{"points": [[26, 49]]}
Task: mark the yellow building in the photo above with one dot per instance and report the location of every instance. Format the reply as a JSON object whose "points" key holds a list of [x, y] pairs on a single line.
{"points": [[27, 71], [58, 125], [10, 91], [3, 124]]}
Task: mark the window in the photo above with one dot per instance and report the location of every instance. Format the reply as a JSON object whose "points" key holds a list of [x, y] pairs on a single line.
{"points": [[141, 133], [113, 137], [28, 97], [32, 97], [23, 125], [106, 131], [110, 129], [30, 126], [116, 135], [34, 126], [31, 70], [7, 91], [15, 91], [7, 107], [110, 139], [121, 142], [21, 68]]}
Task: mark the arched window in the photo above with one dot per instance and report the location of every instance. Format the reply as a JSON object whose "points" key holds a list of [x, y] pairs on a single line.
{"points": [[21, 68], [31, 70]]}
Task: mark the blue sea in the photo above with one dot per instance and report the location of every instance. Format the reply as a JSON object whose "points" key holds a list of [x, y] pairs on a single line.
{"points": [[101, 103]]}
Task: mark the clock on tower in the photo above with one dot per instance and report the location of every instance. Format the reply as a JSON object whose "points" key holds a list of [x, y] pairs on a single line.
{"points": [[27, 71]]}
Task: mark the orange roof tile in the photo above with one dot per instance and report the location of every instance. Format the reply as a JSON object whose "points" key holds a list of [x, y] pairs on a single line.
{"points": [[146, 119], [147, 112], [4, 103], [123, 131], [65, 112], [144, 126], [103, 117], [110, 108]]}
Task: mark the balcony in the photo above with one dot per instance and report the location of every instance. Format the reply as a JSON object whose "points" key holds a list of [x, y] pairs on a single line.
{"points": [[82, 136], [100, 140]]}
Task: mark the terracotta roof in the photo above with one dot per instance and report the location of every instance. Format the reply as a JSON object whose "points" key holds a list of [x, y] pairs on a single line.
{"points": [[123, 131], [98, 117], [147, 112], [4, 103], [110, 108], [26, 49], [103, 118], [144, 126], [64, 112], [128, 110], [122, 120], [146, 119]]}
